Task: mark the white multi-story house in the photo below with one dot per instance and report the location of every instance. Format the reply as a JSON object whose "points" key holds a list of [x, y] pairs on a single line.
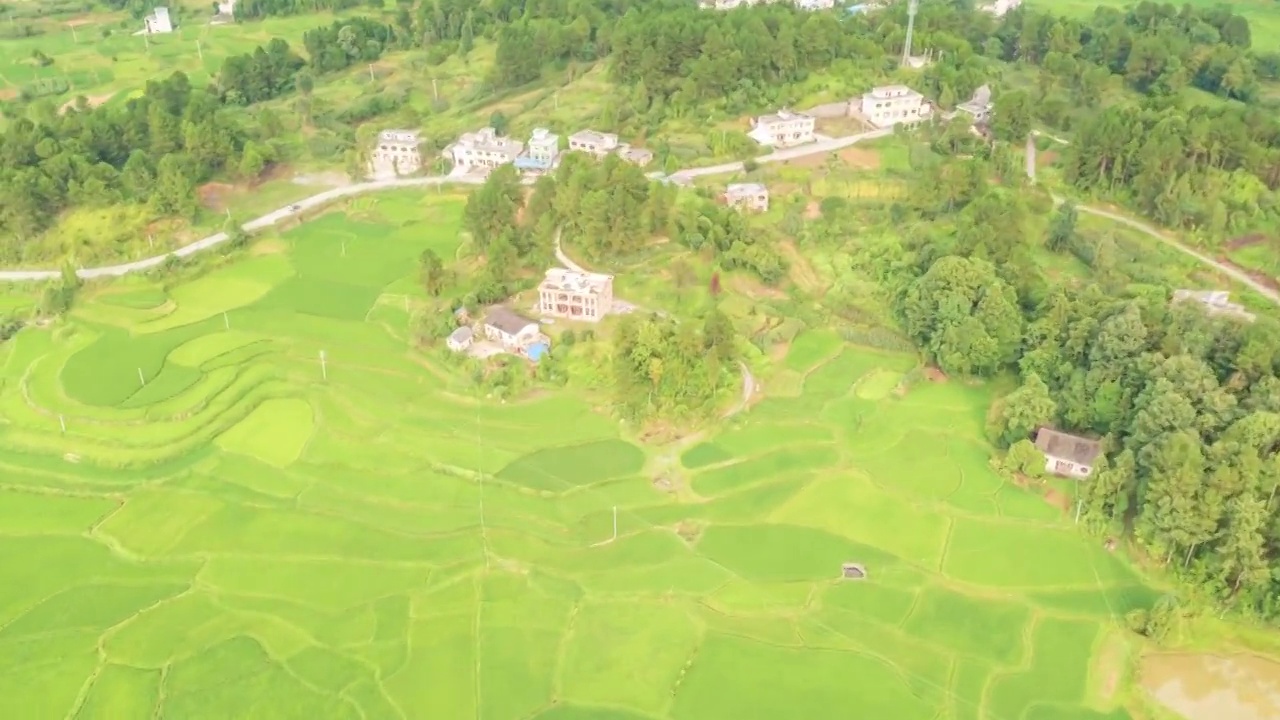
{"points": [[1000, 8], [596, 143], [398, 152], [483, 149], [1067, 455], [747, 196], [575, 295], [158, 22], [541, 153], [978, 107], [783, 128], [895, 105]]}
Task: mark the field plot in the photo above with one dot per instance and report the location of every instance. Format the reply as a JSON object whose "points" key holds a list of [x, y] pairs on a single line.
{"points": [[223, 531]]}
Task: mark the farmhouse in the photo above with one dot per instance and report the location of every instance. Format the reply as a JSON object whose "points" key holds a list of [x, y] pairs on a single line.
{"points": [[515, 332], [1000, 8], [483, 149], [894, 105], [575, 295], [748, 196], [1067, 455], [460, 339], [1214, 302], [815, 4], [158, 22], [635, 156], [783, 128], [541, 153], [978, 107], [397, 153], [596, 143]]}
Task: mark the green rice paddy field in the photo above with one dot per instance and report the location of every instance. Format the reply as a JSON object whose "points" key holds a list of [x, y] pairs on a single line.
{"points": [[237, 537]]}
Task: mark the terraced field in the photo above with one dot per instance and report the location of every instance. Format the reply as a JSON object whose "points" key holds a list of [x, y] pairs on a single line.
{"points": [[220, 532]]}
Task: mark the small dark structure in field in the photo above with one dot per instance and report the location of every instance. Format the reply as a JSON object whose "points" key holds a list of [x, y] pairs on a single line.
{"points": [[853, 571]]}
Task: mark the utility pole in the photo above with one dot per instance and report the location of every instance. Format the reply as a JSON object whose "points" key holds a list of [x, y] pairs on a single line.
{"points": [[62, 420], [435, 93], [146, 40], [371, 77], [1079, 504], [226, 321], [74, 37], [912, 7], [142, 380], [324, 370], [199, 51], [615, 522]]}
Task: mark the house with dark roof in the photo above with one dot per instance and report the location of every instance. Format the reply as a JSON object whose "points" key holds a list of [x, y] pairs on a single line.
{"points": [[1066, 454], [460, 339], [513, 331]]}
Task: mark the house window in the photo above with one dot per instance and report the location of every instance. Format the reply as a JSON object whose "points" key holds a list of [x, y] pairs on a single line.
{"points": [[1062, 466]]}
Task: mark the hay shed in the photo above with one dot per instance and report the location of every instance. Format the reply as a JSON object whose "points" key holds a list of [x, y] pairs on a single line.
{"points": [[853, 571]]}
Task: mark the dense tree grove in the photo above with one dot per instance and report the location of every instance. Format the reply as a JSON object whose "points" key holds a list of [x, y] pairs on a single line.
{"points": [[252, 9], [152, 149], [671, 368]]}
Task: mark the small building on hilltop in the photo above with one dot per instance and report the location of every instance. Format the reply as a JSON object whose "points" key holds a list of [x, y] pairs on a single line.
{"points": [[891, 105], [747, 196], [1000, 8], [398, 152], [634, 155], [575, 295], [978, 107], [1214, 302], [158, 22], [783, 128], [460, 339], [595, 143], [1067, 455]]}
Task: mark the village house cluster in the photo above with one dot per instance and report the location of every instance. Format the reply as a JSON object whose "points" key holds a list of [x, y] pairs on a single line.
{"points": [[485, 149], [731, 4]]}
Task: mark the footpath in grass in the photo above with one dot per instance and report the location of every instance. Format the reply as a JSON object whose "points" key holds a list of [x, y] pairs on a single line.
{"points": [[235, 535]]}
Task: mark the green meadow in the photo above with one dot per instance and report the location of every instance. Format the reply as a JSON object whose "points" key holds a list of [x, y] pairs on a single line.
{"points": [[222, 531]]}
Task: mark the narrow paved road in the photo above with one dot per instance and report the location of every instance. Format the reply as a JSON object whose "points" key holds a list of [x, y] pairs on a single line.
{"points": [[822, 146]]}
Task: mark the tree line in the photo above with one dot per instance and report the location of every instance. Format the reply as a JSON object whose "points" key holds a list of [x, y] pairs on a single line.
{"points": [[1187, 403]]}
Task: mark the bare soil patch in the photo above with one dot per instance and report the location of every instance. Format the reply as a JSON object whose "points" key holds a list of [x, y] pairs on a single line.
{"points": [[812, 211], [861, 157], [80, 22], [689, 531], [1057, 499], [807, 161], [1245, 241], [1046, 157], [801, 272], [933, 374], [94, 101], [8, 93], [754, 288], [1261, 277], [215, 196]]}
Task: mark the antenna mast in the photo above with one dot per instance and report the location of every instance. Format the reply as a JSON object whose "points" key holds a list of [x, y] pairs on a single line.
{"points": [[912, 7]]}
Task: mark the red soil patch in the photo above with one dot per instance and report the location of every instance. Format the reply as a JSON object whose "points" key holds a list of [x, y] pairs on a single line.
{"points": [[1046, 157], [1057, 498], [861, 158], [215, 195], [1260, 277], [8, 93], [1245, 241], [933, 374], [754, 288], [807, 161]]}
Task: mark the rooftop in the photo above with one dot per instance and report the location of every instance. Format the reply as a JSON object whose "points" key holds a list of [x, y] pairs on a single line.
{"points": [[981, 99], [1079, 450], [461, 335], [736, 190], [574, 281], [542, 135], [507, 320], [409, 136], [593, 136], [888, 91], [783, 115]]}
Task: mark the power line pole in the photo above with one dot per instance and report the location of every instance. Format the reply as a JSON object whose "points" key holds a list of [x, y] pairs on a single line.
{"points": [[371, 77], [912, 7], [142, 380], [435, 93], [324, 370], [615, 522], [199, 51]]}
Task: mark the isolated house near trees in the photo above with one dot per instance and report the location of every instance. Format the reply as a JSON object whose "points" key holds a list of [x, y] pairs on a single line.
{"points": [[1067, 455]]}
